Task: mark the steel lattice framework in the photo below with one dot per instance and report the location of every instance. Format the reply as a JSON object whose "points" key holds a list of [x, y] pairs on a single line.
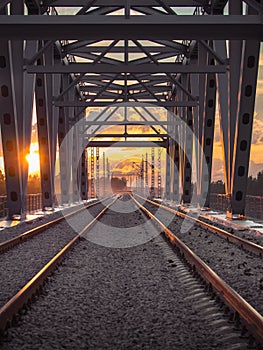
{"points": [[77, 55]]}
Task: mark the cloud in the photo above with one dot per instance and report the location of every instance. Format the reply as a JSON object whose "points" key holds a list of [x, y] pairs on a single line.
{"points": [[255, 168], [217, 169]]}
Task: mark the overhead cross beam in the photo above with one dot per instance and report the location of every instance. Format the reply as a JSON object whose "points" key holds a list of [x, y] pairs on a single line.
{"points": [[121, 144], [120, 3], [126, 68], [137, 27], [103, 104], [101, 135]]}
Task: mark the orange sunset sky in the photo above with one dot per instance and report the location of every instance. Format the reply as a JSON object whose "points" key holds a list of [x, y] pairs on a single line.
{"points": [[121, 159]]}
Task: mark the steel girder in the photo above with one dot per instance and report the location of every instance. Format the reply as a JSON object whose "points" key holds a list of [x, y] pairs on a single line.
{"points": [[249, 69], [83, 165], [74, 103], [120, 3], [75, 163], [120, 144], [168, 159], [151, 69], [17, 116], [44, 141], [188, 146], [208, 136], [9, 131], [126, 68], [84, 176], [237, 99], [139, 27], [63, 141]]}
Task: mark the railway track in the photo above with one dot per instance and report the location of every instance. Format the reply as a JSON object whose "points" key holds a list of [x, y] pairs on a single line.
{"points": [[8, 311], [197, 293], [241, 242], [22, 237], [252, 319]]}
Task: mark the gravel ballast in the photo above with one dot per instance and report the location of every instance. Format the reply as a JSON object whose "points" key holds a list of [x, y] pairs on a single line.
{"points": [[19, 264], [243, 271], [140, 297]]}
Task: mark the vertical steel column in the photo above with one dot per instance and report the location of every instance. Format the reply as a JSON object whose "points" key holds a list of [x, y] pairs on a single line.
{"points": [[20, 95], [108, 173], [208, 134], [235, 53], [53, 89], [168, 160], [176, 169], [9, 133], [104, 173], [146, 173], [83, 176], [75, 163], [181, 139], [202, 60], [92, 189], [223, 103], [152, 190], [82, 166], [194, 84], [175, 158], [142, 176], [188, 145], [43, 140], [63, 129], [159, 174], [167, 172], [29, 90], [250, 59], [97, 172]]}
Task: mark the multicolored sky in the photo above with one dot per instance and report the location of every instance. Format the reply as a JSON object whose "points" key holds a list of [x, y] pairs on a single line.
{"points": [[123, 158]]}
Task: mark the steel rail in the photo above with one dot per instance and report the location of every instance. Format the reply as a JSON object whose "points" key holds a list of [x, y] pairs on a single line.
{"points": [[39, 229], [241, 242], [251, 318], [12, 307]]}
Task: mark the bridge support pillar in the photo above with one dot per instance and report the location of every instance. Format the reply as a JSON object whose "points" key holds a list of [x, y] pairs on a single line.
{"points": [[187, 144], [208, 135], [16, 100], [176, 169], [168, 173], [53, 82], [249, 68], [75, 164], [64, 157], [236, 100], [10, 133], [43, 141], [83, 176], [83, 162]]}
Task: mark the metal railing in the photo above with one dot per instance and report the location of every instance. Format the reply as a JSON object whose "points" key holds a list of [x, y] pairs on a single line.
{"points": [[254, 205], [33, 203], [3, 206]]}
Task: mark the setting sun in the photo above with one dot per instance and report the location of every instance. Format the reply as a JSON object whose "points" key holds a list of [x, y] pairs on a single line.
{"points": [[33, 159]]}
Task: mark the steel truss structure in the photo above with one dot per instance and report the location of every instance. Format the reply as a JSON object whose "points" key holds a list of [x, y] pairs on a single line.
{"points": [[78, 56]]}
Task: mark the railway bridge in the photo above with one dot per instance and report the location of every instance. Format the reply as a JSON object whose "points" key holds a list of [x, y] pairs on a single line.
{"points": [[93, 65], [162, 78]]}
